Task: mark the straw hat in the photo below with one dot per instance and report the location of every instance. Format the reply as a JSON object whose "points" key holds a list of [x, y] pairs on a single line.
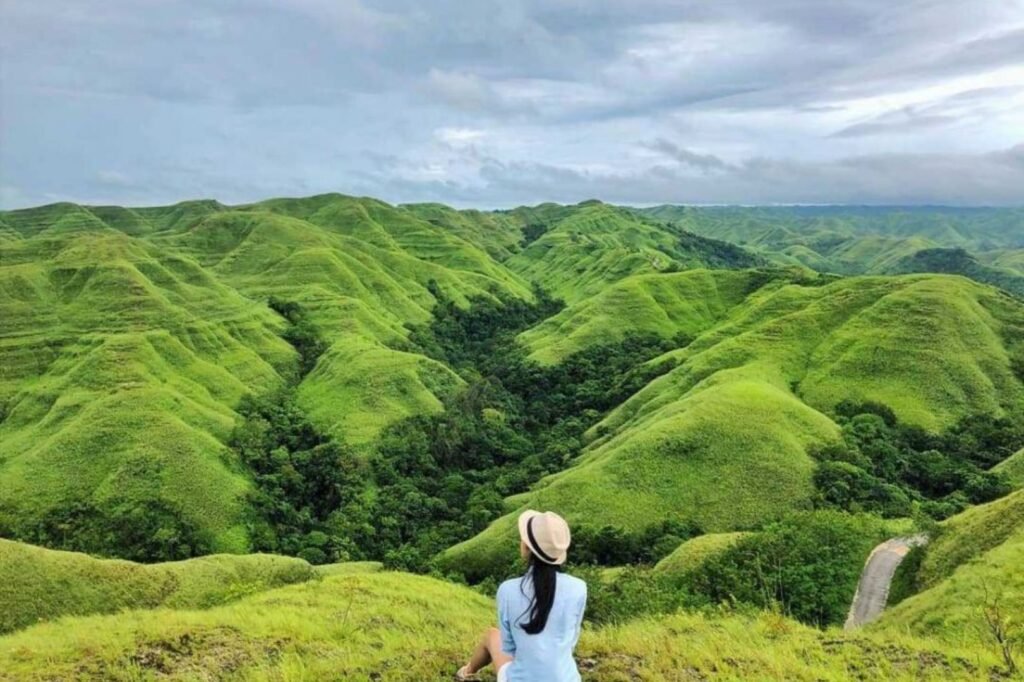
{"points": [[546, 534]]}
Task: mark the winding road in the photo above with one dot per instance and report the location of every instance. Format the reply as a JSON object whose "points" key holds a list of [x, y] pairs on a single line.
{"points": [[873, 588]]}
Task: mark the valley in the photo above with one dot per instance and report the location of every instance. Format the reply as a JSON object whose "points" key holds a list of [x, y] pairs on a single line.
{"points": [[240, 438]]}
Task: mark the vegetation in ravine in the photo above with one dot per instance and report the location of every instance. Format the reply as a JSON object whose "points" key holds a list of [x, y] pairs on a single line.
{"points": [[337, 379], [756, 391], [896, 470], [436, 480]]}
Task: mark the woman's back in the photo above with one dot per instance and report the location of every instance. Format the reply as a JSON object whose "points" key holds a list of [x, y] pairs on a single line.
{"points": [[547, 655]]}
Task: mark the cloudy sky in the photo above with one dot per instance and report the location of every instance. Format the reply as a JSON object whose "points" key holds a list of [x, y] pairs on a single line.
{"points": [[483, 103]]}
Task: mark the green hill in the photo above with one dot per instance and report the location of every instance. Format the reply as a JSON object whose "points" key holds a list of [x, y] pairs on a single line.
{"points": [[130, 335], [974, 561], [392, 626], [694, 552], [748, 397], [669, 305], [122, 363], [960, 262], [171, 379], [1014, 468], [580, 249], [39, 584], [869, 240]]}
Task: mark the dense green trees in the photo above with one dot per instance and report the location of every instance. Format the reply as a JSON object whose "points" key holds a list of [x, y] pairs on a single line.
{"points": [[435, 480], [891, 469], [304, 480], [807, 564]]}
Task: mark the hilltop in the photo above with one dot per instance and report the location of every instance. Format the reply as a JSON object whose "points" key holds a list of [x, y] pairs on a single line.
{"points": [[394, 626]]}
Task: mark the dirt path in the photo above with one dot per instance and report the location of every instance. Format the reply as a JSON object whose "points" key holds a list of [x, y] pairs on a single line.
{"points": [[873, 588]]}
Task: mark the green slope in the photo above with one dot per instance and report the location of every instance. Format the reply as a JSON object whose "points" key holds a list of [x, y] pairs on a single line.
{"points": [[869, 240], [392, 626], [690, 555], [750, 394], [684, 303], [1013, 468], [119, 356], [974, 561], [960, 262], [583, 248], [128, 336], [40, 584]]}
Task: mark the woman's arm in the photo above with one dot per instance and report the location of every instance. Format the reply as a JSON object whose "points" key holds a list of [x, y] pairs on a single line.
{"points": [[508, 643], [579, 617]]}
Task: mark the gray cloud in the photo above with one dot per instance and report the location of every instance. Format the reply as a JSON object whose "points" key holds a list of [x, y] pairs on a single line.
{"points": [[736, 100], [702, 162]]}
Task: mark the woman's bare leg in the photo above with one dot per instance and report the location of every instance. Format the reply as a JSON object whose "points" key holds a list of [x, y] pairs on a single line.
{"points": [[488, 651]]}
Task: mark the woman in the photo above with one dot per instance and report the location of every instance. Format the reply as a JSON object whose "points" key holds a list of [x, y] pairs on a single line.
{"points": [[539, 615]]}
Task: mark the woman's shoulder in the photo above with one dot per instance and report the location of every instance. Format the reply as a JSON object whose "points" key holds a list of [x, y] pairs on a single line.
{"points": [[572, 583], [510, 586]]}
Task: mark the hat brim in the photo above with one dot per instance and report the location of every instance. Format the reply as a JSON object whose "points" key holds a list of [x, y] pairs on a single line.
{"points": [[524, 519]]}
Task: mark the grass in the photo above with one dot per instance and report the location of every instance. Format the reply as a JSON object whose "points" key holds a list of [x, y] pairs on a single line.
{"points": [[982, 244], [664, 305], [975, 560], [360, 387], [691, 554], [751, 393], [39, 584], [1013, 468], [392, 626], [129, 335], [584, 248]]}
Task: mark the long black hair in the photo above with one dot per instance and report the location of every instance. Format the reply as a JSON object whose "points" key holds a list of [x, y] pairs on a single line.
{"points": [[544, 578]]}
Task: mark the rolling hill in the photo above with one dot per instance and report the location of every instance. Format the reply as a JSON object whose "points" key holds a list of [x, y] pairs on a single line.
{"points": [[701, 355], [751, 394], [130, 335], [980, 243], [394, 626], [39, 584]]}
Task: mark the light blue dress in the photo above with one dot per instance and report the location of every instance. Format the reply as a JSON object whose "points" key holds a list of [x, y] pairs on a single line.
{"points": [[546, 656]]}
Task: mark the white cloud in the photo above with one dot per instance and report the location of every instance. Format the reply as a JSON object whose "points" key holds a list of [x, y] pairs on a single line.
{"points": [[625, 100]]}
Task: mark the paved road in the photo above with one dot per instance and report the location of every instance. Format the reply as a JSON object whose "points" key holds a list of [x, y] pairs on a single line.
{"points": [[873, 588]]}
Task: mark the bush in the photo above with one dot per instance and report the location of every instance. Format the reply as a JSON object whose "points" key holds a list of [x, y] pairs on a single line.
{"points": [[886, 467], [807, 564]]}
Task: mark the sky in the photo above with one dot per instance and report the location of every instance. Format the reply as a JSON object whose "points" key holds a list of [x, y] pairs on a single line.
{"points": [[488, 104]]}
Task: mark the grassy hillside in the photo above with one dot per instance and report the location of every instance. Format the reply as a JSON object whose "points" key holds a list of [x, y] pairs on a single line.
{"points": [[869, 240], [39, 584], [669, 305], [1014, 468], [391, 626], [960, 262], [974, 561], [694, 552], [580, 249], [119, 356], [750, 395], [130, 335]]}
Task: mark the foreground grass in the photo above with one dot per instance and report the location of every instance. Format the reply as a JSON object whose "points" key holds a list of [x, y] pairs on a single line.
{"points": [[39, 584], [391, 626]]}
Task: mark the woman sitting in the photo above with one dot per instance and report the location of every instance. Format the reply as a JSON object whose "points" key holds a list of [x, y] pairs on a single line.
{"points": [[539, 615]]}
